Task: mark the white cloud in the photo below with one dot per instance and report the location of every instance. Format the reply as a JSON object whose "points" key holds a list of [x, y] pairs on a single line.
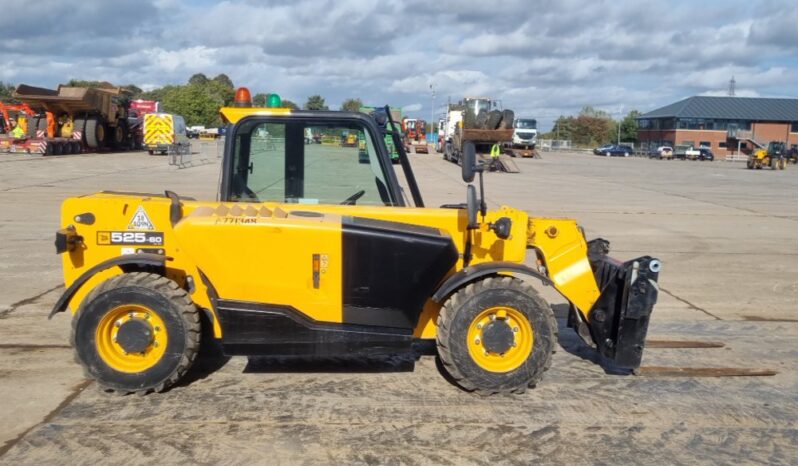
{"points": [[541, 58]]}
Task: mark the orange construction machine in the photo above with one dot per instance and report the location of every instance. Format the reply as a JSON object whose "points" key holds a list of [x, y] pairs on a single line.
{"points": [[414, 135]]}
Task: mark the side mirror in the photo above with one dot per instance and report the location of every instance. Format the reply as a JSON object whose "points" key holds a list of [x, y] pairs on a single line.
{"points": [[472, 206], [469, 161]]}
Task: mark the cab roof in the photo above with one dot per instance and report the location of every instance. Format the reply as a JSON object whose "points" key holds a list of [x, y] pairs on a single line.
{"points": [[233, 114]]}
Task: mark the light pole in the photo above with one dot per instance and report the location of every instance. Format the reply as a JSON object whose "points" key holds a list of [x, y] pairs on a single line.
{"points": [[432, 111]]}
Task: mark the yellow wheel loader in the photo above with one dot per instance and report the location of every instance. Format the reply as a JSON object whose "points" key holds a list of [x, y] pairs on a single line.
{"points": [[311, 252], [773, 156]]}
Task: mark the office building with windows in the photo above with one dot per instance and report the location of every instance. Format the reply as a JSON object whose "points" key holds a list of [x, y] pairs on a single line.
{"points": [[727, 125]]}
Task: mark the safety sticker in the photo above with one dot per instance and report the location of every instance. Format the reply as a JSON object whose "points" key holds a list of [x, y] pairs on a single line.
{"points": [[129, 238], [140, 221]]}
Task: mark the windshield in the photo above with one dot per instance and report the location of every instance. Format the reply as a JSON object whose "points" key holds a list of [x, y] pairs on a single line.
{"points": [[307, 162], [526, 124], [478, 105]]}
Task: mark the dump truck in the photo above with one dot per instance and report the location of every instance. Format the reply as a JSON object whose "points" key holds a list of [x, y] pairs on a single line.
{"points": [[166, 133], [77, 119], [307, 252], [774, 155]]}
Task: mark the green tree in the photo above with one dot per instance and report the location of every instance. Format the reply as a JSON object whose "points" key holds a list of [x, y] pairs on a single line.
{"points": [[562, 129], [352, 105], [6, 90], [224, 80], [629, 126], [289, 104], [196, 103], [198, 78], [589, 111], [260, 99], [591, 131], [85, 83], [134, 90], [316, 102]]}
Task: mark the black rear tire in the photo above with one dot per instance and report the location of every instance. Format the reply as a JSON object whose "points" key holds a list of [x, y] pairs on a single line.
{"points": [[494, 119], [458, 316], [119, 135], [96, 133], [508, 118], [157, 294]]}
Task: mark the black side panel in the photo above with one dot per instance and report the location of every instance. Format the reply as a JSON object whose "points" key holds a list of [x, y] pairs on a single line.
{"points": [[390, 269], [266, 329]]}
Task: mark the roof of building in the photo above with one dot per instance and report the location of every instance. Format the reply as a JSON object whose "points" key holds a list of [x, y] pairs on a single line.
{"points": [[730, 108]]}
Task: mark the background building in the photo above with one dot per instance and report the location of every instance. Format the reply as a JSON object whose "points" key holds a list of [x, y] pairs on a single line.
{"points": [[727, 125]]}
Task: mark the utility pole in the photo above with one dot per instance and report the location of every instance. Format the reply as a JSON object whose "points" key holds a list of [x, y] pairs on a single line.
{"points": [[620, 120]]}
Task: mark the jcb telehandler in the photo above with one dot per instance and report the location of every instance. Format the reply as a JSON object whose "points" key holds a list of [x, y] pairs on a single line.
{"points": [[773, 156], [309, 252]]}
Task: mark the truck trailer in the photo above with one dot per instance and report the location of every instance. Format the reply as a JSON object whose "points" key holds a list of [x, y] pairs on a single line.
{"points": [[73, 120]]}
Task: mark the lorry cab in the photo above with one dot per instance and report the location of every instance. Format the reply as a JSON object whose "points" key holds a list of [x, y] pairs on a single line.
{"points": [[525, 132]]}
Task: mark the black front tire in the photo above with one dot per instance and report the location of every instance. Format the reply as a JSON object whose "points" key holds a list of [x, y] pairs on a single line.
{"points": [[161, 296], [464, 306]]}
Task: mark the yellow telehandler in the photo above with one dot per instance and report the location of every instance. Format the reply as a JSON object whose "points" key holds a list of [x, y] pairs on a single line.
{"points": [[773, 156], [309, 251]]}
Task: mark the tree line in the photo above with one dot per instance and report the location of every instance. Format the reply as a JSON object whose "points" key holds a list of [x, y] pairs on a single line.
{"points": [[199, 100], [593, 127]]}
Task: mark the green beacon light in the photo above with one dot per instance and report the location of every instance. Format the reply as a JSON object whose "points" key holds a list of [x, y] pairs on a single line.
{"points": [[274, 101]]}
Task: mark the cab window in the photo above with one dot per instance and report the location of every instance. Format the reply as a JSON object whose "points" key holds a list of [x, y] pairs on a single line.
{"points": [[308, 163]]}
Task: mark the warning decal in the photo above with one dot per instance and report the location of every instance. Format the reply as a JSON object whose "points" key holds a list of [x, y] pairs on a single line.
{"points": [[141, 221]]}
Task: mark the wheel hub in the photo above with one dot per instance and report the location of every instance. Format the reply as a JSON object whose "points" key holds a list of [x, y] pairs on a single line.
{"points": [[498, 336], [135, 335], [500, 339]]}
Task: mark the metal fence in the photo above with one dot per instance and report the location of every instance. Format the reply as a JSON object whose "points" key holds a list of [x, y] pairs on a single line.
{"points": [[554, 144]]}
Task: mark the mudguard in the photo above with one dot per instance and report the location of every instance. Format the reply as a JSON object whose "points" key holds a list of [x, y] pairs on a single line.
{"points": [[137, 260], [474, 272]]}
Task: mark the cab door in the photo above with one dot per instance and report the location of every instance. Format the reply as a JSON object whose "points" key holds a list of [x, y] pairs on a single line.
{"points": [[299, 194]]}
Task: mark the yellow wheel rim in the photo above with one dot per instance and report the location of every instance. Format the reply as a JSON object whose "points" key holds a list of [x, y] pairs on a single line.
{"points": [[112, 352], [515, 355]]}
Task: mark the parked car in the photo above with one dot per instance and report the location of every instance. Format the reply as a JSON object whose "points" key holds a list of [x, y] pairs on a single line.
{"points": [[691, 153], [663, 152], [705, 154], [602, 149], [624, 151]]}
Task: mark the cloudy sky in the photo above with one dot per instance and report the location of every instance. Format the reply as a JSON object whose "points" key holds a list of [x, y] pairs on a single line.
{"points": [[541, 58]]}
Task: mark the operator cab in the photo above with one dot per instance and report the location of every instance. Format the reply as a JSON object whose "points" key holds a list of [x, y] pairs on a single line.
{"points": [[311, 157]]}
